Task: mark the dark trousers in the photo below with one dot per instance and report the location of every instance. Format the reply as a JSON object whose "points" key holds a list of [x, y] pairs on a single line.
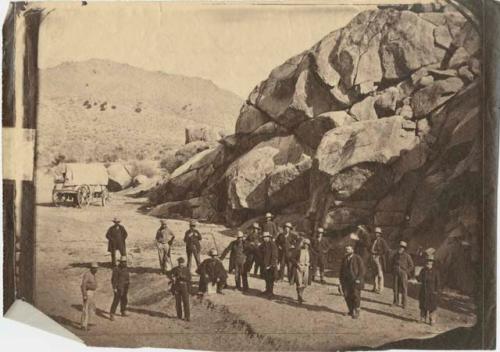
{"points": [[269, 277], [250, 261], [240, 275], [400, 286], [318, 262], [182, 300], [120, 296], [352, 296], [284, 263], [113, 256], [192, 253]]}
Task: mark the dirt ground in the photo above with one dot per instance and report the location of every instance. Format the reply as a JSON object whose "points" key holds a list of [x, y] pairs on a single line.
{"points": [[69, 238]]}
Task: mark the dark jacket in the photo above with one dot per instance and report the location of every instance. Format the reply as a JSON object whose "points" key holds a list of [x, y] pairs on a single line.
{"points": [[212, 270], [381, 248], [193, 239], [270, 226], [268, 254], [120, 277], [294, 260], [320, 248], [362, 247], [236, 252], [352, 270], [180, 276], [429, 291], [402, 262], [285, 244], [116, 236], [252, 243]]}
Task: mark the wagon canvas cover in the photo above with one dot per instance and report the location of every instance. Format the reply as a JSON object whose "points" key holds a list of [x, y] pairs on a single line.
{"points": [[88, 174]]}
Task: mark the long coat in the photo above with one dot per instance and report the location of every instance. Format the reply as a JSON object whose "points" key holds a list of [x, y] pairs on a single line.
{"points": [[237, 254], [294, 260], [268, 254], [116, 236], [211, 270], [285, 244], [320, 250], [351, 270], [429, 291]]}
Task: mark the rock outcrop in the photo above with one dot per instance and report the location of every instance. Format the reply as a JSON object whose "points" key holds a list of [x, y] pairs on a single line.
{"points": [[376, 124], [119, 177]]}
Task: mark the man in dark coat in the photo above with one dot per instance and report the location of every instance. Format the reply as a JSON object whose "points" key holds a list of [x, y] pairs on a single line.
{"points": [[352, 272], [285, 243], [120, 282], [429, 291], [181, 283], [379, 250], [269, 256], [270, 227], [300, 259], [116, 236], [252, 243], [164, 240], [237, 259], [402, 267], [320, 249], [212, 273], [363, 244], [192, 238]]}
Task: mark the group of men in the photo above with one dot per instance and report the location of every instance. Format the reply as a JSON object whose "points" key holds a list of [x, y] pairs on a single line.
{"points": [[275, 255]]}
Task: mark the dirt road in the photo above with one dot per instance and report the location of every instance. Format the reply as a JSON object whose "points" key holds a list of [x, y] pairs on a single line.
{"points": [[69, 238]]}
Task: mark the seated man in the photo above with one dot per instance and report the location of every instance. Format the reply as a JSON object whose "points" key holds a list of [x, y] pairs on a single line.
{"points": [[212, 272]]}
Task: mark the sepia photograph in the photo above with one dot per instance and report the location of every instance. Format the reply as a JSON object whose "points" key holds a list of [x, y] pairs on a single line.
{"points": [[237, 176]]}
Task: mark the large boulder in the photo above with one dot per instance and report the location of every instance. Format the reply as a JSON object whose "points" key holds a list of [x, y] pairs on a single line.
{"points": [[202, 208], [119, 177], [433, 96], [189, 150]]}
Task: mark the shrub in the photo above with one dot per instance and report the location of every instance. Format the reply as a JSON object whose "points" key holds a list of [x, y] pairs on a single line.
{"points": [[169, 161]]}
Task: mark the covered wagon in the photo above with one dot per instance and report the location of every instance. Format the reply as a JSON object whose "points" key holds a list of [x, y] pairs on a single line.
{"points": [[80, 184]]}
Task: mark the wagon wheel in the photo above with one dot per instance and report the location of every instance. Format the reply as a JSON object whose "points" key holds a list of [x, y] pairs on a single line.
{"points": [[83, 196], [104, 196], [55, 198]]}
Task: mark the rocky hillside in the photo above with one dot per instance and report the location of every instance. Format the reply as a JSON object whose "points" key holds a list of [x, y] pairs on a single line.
{"points": [[101, 110], [377, 124]]}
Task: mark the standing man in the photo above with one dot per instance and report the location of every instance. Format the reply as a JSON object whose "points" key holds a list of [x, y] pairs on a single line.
{"points": [[320, 249], [269, 255], [429, 290], [164, 241], [120, 281], [181, 283], [116, 236], [301, 263], [285, 243], [269, 226], [402, 267], [89, 286], [237, 259], [212, 272], [352, 272], [192, 238], [379, 251], [362, 245], [252, 243]]}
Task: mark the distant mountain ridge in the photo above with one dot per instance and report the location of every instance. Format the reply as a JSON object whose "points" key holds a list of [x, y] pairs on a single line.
{"points": [[99, 109]]}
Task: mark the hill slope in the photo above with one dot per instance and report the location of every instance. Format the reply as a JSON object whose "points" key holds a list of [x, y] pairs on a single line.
{"points": [[100, 109]]}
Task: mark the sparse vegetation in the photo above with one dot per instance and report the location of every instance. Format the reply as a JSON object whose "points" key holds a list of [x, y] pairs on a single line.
{"points": [[169, 162], [147, 168]]}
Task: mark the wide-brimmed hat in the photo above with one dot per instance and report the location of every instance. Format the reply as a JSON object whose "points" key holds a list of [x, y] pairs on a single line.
{"points": [[123, 258], [180, 260], [192, 223], [116, 220], [269, 215], [213, 252], [94, 265], [256, 225], [403, 244], [306, 241], [289, 225], [266, 234], [320, 230], [378, 230], [239, 234]]}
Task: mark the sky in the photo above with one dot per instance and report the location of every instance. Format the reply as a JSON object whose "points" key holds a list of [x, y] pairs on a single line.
{"points": [[235, 46]]}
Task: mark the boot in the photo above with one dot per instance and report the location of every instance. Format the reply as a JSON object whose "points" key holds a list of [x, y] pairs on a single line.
{"points": [[355, 313], [112, 317]]}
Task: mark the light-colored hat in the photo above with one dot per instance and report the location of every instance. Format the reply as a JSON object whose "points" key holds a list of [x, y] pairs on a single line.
{"points": [[289, 225], [320, 230], [269, 215], [94, 265], [256, 225], [430, 258], [354, 236], [213, 252], [306, 241], [378, 230], [123, 258], [403, 244], [239, 234], [266, 234], [192, 223], [115, 219], [163, 221]]}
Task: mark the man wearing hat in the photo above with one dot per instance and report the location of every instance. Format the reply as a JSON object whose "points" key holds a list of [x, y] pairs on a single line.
{"points": [[269, 226], [88, 287], [164, 240], [428, 297], [379, 250], [286, 243], [269, 257], [402, 267], [120, 281], [192, 238], [252, 243], [300, 259], [320, 249], [352, 273], [237, 259], [116, 236], [212, 272], [181, 283]]}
